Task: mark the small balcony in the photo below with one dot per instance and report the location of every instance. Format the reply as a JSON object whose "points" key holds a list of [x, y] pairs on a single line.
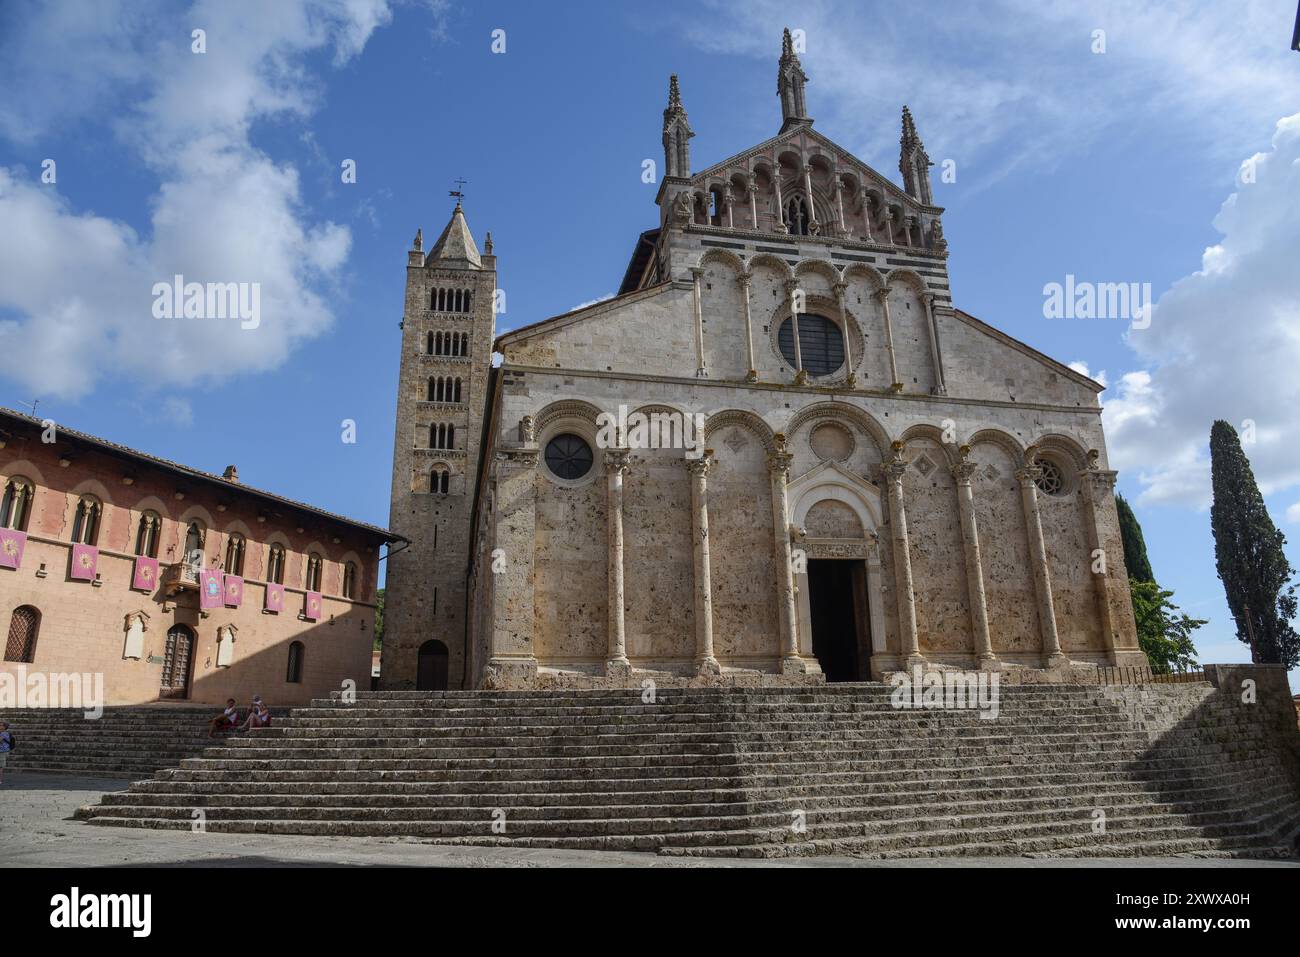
{"points": [[180, 576]]}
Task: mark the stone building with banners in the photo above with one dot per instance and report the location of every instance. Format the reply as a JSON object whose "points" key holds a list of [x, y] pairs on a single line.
{"points": [[779, 454], [173, 583]]}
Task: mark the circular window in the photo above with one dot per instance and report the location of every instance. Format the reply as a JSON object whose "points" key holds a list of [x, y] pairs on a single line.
{"points": [[820, 344], [568, 456], [1051, 481]]}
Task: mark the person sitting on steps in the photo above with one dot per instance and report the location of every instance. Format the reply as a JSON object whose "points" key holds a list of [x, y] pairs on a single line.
{"points": [[6, 745], [259, 716], [228, 720]]}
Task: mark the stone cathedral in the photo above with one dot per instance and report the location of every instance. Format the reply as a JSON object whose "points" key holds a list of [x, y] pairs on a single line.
{"points": [[844, 475]]}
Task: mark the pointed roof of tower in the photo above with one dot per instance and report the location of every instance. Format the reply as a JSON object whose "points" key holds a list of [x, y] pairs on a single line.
{"points": [[908, 140], [675, 110], [455, 247]]}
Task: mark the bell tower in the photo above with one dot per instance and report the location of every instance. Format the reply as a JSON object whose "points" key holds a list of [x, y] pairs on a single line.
{"points": [[447, 334]]}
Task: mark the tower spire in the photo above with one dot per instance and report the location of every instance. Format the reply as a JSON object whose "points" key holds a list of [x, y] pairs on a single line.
{"points": [[913, 162], [677, 134], [790, 81]]}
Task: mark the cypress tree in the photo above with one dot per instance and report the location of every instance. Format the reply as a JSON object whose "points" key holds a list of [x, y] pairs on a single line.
{"points": [[1248, 550], [1135, 546]]}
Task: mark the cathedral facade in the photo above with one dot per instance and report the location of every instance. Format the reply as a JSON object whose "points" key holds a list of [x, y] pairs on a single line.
{"points": [[779, 454]]}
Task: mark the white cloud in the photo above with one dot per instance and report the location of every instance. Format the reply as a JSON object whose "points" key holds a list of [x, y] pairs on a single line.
{"points": [[1009, 82], [1224, 343], [1293, 514], [75, 287], [592, 302], [1082, 368]]}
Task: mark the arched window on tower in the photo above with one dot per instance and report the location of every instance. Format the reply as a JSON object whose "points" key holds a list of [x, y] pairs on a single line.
{"points": [[429, 344], [16, 503], [235, 554], [439, 481], [275, 564], [146, 535], [457, 392], [85, 524]]}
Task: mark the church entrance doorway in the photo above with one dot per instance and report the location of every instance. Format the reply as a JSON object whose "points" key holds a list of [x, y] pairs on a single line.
{"points": [[837, 600], [431, 669]]}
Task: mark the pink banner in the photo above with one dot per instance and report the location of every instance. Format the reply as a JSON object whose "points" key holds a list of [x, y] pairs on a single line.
{"points": [[234, 591], [274, 597], [210, 588], [311, 606], [146, 573], [85, 558], [12, 543]]}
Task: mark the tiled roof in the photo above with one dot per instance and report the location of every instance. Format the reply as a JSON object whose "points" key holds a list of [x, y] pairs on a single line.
{"points": [[207, 477]]}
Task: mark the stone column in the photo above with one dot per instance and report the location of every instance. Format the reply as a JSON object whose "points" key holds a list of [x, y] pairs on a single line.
{"points": [[850, 380], [792, 287], [705, 662], [752, 189], [895, 384], [616, 465], [866, 214], [1027, 476], [807, 188], [889, 225], [839, 203], [962, 472], [778, 467], [936, 357], [700, 369], [511, 663], [1114, 604], [894, 472], [781, 227], [727, 201], [752, 374]]}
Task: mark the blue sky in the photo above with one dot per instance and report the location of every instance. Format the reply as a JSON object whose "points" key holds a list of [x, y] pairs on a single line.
{"points": [[1173, 157]]}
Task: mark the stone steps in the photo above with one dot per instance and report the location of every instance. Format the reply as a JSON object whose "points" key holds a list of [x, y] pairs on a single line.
{"points": [[723, 772]]}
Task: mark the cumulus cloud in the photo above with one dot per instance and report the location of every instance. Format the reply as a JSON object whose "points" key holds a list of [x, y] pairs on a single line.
{"points": [[76, 287], [1082, 368], [1224, 343], [1007, 83]]}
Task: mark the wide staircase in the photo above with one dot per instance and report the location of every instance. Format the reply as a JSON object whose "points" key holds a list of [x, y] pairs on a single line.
{"points": [[130, 742], [744, 772]]}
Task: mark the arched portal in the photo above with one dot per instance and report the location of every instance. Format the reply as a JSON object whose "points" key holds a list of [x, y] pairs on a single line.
{"points": [[431, 668]]}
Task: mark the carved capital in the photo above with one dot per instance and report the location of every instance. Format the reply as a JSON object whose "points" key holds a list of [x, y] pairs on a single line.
{"points": [[1028, 474], [791, 286], [779, 461], [840, 288], [744, 279], [699, 467], [617, 461], [882, 296], [963, 472], [517, 458], [697, 272]]}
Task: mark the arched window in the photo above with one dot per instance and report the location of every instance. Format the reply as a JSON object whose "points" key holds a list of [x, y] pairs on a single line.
{"points": [[146, 535], [349, 579], [275, 564], [16, 504], [469, 296], [314, 564], [821, 346], [85, 525], [23, 626], [293, 673], [235, 554], [433, 382], [429, 344], [196, 534], [438, 481], [457, 392], [1051, 477], [797, 216]]}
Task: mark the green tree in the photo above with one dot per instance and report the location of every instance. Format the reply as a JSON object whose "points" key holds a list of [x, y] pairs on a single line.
{"points": [[1164, 631], [1135, 546], [379, 619], [1248, 550]]}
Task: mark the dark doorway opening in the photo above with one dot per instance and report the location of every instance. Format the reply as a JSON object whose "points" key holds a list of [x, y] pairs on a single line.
{"points": [[177, 658], [431, 669], [834, 587]]}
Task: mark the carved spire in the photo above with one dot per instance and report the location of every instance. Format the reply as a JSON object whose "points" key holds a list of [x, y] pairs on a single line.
{"points": [[419, 239], [677, 134], [913, 162], [790, 80]]}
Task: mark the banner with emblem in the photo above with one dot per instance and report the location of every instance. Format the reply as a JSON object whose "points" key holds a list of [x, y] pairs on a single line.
{"points": [[145, 577], [210, 588], [12, 544], [234, 591], [311, 606], [274, 597], [85, 559]]}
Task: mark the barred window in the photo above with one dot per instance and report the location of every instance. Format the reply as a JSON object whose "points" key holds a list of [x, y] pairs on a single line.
{"points": [[821, 344]]}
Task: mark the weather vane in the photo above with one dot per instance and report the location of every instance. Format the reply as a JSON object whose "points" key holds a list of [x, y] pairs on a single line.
{"points": [[458, 191], [31, 405]]}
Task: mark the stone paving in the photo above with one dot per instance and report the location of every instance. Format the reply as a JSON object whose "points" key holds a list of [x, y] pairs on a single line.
{"points": [[36, 830]]}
